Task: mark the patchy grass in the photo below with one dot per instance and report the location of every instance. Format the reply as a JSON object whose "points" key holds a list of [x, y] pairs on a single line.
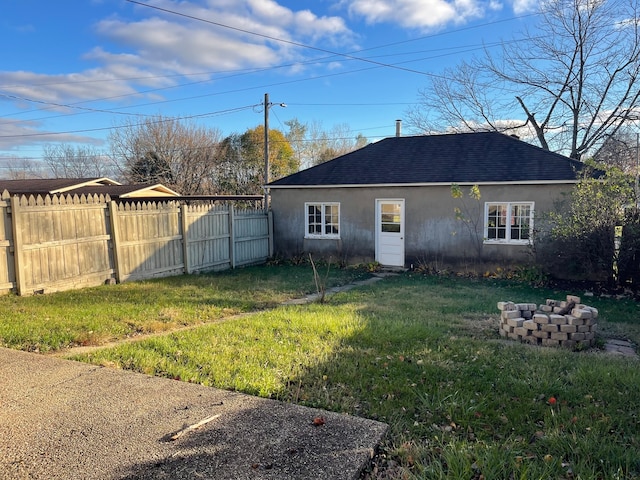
{"points": [[99, 315], [423, 354]]}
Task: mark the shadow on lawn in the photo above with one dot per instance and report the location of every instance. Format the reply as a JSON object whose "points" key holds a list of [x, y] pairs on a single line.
{"points": [[439, 383], [436, 381]]}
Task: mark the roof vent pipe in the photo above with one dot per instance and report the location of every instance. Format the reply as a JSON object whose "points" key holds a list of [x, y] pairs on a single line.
{"points": [[398, 128]]}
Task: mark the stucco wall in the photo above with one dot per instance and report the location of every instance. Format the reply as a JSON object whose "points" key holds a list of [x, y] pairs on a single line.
{"points": [[431, 230]]}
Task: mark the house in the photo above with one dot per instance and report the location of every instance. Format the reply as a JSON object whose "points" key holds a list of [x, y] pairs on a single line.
{"points": [[84, 186], [392, 202]]}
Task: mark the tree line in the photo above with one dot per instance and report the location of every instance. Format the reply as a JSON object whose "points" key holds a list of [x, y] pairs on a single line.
{"points": [[193, 159]]}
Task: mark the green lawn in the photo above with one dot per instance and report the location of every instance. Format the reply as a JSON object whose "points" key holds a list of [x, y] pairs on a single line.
{"points": [[94, 316], [424, 355]]}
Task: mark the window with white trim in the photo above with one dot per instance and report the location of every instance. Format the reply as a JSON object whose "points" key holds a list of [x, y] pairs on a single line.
{"points": [[322, 220], [508, 222]]}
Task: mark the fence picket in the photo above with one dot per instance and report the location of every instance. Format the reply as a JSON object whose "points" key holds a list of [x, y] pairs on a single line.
{"points": [[68, 241]]}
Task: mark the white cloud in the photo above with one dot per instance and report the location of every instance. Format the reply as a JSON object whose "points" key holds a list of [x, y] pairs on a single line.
{"points": [[420, 14], [18, 134], [138, 49], [525, 6], [160, 45], [152, 50], [248, 28], [430, 14], [62, 88]]}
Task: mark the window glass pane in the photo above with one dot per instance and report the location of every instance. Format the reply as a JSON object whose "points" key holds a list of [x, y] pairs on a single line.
{"points": [[391, 208], [520, 221], [492, 222], [314, 218], [390, 217], [496, 221], [331, 219], [502, 215]]}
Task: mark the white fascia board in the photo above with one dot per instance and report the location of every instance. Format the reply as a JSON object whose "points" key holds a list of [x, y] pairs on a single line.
{"points": [[158, 189], [438, 184], [89, 183]]}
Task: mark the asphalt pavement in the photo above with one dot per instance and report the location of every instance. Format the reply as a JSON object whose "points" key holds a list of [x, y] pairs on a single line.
{"points": [[61, 419]]}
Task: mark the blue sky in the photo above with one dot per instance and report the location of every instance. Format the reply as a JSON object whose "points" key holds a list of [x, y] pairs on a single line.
{"points": [[73, 69]]}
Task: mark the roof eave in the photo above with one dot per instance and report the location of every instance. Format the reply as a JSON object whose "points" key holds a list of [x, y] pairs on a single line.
{"points": [[89, 183], [158, 189], [427, 184]]}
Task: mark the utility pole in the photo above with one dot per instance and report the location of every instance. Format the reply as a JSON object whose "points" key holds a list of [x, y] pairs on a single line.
{"points": [[637, 169], [266, 151], [267, 105]]}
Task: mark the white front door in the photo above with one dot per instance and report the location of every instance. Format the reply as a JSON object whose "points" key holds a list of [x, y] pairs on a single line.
{"points": [[390, 232]]}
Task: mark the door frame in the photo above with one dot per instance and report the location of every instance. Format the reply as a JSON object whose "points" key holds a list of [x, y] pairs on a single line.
{"points": [[378, 203]]}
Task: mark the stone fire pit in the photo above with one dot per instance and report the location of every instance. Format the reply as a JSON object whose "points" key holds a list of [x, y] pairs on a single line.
{"points": [[566, 323]]}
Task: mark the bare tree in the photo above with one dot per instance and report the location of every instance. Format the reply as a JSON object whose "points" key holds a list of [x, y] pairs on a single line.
{"points": [[574, 80], [22, 168], [177, 153], [314, 145], [68, 161], [620, 150]]}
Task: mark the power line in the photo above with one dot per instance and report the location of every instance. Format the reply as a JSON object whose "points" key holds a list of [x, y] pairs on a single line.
{"points": [[276, 39], [467, 48], [209, 114], [88, 109], [349, 56], [248, 71], [72, 106], [61, 105], [356, 132]]}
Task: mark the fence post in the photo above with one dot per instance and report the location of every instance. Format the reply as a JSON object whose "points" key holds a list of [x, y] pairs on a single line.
{"points": [[185, 238], [270, 231], [232, 236], [115, 238], [18, 250]]}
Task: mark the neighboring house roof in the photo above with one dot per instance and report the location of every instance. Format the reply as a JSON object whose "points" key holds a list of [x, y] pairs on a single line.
{"points": [[487, 157], [44, 186], [84, 186], [128, 191]]}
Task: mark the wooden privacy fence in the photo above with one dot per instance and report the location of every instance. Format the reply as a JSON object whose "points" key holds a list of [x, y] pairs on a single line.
{"points": [[62, 242]]}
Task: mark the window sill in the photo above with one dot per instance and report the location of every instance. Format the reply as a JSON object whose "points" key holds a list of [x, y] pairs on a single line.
{"points": [[506, 242], [322, 237]]}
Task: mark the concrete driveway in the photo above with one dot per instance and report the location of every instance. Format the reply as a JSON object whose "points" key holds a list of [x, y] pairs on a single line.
{"points": [[63, 419]]}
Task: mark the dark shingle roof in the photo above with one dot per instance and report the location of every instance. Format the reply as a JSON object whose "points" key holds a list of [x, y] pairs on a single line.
{"points": [[40, 186], [453, 158], [79, 186]]}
